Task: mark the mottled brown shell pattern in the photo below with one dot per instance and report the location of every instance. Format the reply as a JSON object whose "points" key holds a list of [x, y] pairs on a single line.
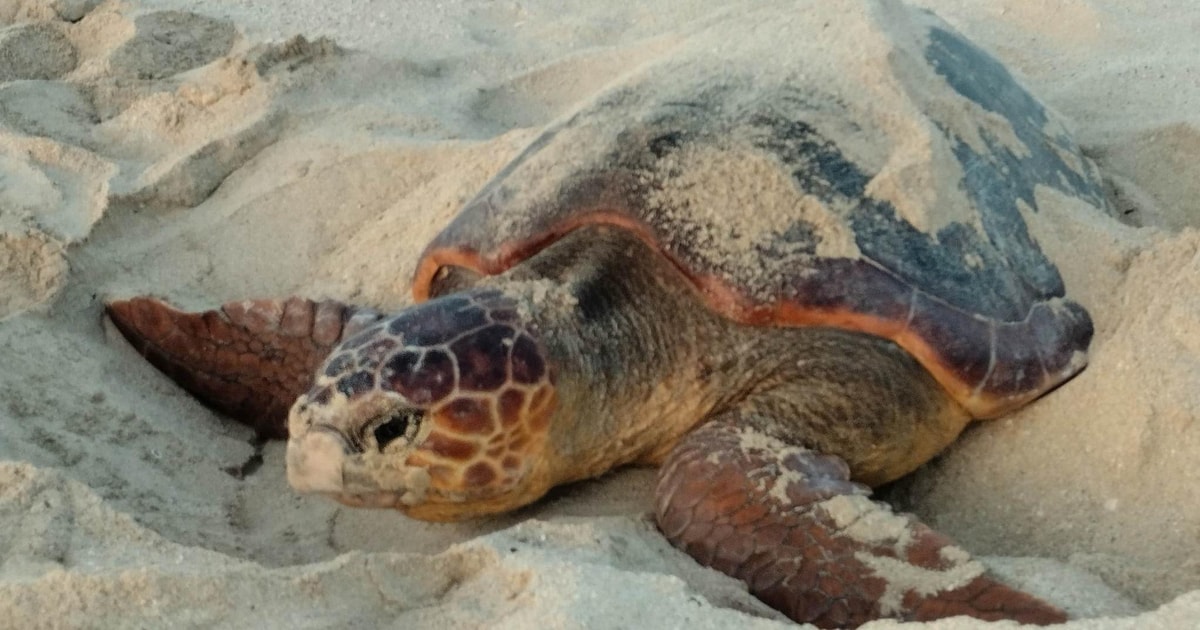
{"points": [[766, 182]]}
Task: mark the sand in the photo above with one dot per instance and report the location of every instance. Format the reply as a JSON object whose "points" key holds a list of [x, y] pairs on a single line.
{"points": [[202, 152]]}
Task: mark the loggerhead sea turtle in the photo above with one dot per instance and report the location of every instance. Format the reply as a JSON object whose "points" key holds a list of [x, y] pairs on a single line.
{"points": [[783, 281]]}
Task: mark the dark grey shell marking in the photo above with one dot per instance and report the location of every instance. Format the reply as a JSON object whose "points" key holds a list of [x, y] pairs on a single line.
{"points": [[971, 293]]}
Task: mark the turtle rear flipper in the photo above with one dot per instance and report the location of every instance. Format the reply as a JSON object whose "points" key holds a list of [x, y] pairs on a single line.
{"points": [[249, 360], [810, 543]]}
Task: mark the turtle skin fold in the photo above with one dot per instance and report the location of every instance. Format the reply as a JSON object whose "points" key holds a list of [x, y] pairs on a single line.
{"points": [[807, 541]]}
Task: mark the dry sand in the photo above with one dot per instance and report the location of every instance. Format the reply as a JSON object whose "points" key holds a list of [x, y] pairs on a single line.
{"points": [[146, 150]]}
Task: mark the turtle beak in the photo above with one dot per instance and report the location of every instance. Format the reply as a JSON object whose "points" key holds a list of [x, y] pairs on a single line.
{"points": [[315, 459], [322, 460]]}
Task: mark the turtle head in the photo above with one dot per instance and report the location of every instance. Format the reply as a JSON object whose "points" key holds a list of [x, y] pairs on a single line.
{"points": [[442, 411]]}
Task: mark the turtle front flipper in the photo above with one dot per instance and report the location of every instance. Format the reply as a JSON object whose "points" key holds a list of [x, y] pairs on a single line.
{"points": [[810, 543], [248, 360]]}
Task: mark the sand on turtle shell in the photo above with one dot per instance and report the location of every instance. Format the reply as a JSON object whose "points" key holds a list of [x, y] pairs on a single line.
{"points": [[266, 165]]}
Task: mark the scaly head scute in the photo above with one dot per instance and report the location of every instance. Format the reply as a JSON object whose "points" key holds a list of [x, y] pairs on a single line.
{"points": [[441, 410]]}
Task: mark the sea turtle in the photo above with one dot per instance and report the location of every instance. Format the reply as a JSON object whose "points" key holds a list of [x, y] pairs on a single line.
{"points": [[787, 261]]}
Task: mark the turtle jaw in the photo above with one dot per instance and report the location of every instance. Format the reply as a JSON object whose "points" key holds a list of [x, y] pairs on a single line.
{"points": [[322, 461], [428, 474], [327, 453], [442, 411]]}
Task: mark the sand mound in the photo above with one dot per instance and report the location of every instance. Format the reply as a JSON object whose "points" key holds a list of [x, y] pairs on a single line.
{"points": [[145, 148]]}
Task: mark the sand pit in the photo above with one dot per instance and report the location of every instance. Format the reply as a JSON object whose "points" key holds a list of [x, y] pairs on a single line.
{"points": [[211, 156]]}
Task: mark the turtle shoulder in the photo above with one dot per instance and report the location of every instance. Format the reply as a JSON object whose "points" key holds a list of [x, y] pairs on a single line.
{"points": [[869, 169]]}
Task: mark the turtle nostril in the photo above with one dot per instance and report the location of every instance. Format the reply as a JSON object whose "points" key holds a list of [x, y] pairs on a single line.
{"points": [[396, 426]]}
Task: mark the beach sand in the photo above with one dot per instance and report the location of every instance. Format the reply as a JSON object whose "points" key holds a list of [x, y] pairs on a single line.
{"points": [[212, 151]]}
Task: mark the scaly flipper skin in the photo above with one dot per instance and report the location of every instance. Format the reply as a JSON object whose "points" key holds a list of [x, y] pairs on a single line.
{"points": [[808, 541], [250, 359]]}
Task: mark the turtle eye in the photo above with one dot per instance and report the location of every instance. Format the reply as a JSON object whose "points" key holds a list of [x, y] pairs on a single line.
{"points": [[400, 424]]}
